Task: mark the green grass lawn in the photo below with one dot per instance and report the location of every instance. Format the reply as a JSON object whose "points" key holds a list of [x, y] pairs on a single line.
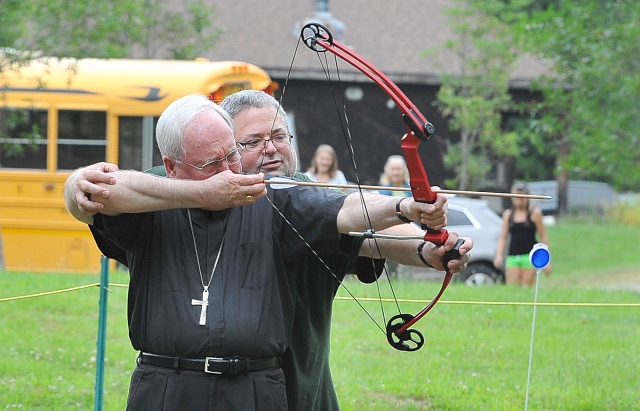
{"points": [[475, 355]]}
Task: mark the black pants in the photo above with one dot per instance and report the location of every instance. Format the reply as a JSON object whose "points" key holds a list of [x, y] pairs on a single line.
{"points": [[162, 389]]}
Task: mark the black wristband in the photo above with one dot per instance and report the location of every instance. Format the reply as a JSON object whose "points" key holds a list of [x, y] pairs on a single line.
{"points": [[419, 250], [399, 213]]}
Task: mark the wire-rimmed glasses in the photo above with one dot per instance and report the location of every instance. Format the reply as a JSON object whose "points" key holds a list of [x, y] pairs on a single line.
{"points": [[232, 157], [259, 144]]}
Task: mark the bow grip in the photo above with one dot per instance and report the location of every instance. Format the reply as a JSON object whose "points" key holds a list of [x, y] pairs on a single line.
{"points": [[452, 254], [438, 238]]}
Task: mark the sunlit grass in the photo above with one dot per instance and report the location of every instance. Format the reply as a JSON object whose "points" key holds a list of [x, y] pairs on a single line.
{"points": [[50, 343], [475, 356]]}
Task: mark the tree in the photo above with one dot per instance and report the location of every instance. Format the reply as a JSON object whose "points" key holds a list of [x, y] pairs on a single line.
{"points": [[103, 29], [591, 105], [30, 29], [474, 100], [178, 34]]}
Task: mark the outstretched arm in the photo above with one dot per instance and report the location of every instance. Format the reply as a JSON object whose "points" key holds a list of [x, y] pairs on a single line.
{"points": [[498, 262], [383, 216], [381, 210], [135, 192], [405, 251]]}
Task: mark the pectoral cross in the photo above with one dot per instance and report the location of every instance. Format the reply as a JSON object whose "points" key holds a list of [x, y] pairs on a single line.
{"points": [[203, 303]]}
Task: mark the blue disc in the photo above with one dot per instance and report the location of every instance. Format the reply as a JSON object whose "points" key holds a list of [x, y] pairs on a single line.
{"points": [[539, 256]]}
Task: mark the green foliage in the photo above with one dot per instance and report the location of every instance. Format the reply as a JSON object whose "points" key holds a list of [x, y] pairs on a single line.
{"points": [[588, 118], [183, 34], [477, 165], [474, 99], [591, 106], [93, 28], [626, 214], [536, 153], [99, 28]]}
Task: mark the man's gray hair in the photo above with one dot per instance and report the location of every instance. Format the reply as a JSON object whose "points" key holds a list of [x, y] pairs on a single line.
{"points": [[243, 100], [178, 117]]}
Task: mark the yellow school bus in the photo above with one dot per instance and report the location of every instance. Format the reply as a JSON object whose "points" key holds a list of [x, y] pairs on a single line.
{"points": [[82, 112]]}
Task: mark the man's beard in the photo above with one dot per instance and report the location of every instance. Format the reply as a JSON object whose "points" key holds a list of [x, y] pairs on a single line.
{"points": [[287, 165]]}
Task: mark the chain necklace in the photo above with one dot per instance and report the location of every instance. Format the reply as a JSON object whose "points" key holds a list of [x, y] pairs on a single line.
{"points": [[204, 303]]}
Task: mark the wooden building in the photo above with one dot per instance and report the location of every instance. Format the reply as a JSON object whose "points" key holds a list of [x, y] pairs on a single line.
{"points": [[392, 35]]}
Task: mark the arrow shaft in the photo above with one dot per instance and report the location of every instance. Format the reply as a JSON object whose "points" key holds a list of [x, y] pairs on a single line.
{"points": [[373, 187], [386, 236]]}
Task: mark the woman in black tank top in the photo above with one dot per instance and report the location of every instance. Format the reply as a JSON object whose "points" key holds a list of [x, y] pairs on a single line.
{"points": [[522, 223]]}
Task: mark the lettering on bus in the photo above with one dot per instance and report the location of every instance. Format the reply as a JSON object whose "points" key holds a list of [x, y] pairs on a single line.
{"points": [[152, 95]]}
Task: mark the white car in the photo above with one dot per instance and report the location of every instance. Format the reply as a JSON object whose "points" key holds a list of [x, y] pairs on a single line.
{"points": [[474, 218]]}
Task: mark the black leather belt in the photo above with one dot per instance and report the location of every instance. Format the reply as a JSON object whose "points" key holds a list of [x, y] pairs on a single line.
{"points": [[211, 365]]}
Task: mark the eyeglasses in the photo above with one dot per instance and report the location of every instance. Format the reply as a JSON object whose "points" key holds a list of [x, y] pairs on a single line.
{"points": [[232, 157], [259, 144]]}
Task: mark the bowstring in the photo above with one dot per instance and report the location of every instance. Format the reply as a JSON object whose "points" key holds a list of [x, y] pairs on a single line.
{"points": [[346, 132], [325, 264], [340, 282], [284, 88]]}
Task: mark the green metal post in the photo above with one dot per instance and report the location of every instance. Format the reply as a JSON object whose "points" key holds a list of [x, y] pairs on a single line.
{"points": [[102, 334]]}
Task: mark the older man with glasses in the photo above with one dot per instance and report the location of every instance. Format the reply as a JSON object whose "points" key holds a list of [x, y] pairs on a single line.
{"points": [[213, 165]]}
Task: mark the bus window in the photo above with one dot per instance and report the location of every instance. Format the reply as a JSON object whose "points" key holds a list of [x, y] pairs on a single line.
{"points": [[23, 138], [137, 148], [82, 138], [105, 111]]}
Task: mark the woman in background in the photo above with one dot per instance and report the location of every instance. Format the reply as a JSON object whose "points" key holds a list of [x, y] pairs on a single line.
{"points": [[324, 166], [396, 174], [522, 222]]}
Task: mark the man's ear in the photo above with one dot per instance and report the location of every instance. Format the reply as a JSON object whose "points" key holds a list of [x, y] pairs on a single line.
{"points": [[169, 166]]}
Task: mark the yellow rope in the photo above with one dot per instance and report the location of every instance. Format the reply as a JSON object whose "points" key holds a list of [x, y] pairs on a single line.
{"points": [[65, 290], [497, 302], [21, 297]]}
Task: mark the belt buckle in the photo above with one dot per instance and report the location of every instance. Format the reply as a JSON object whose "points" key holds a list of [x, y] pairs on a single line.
{"points": [[206, 365]]}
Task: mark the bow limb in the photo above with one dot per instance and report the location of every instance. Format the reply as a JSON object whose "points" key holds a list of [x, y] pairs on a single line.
{"points": [[319, 39]]}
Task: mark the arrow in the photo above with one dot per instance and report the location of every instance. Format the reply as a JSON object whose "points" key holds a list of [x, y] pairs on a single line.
{"points": [[278, 183]]}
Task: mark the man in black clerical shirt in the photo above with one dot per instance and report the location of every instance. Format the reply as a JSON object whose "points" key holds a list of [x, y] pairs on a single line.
{"points": [[208, 234]]}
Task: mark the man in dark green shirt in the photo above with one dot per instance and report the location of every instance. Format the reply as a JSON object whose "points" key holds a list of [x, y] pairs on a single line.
{"points": [[261, 128]]}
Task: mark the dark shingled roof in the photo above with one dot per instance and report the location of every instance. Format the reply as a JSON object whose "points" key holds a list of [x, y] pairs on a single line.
{"points": [[392, 34]]}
